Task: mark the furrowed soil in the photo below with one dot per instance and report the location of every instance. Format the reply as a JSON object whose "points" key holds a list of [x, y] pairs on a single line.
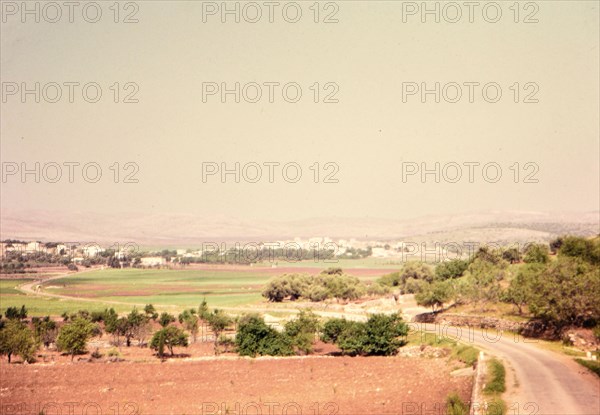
{"points": [[234, 385]]}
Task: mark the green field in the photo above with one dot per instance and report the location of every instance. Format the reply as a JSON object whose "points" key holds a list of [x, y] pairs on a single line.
{"points": [[183, 288], [41, 306], [166, 289]]}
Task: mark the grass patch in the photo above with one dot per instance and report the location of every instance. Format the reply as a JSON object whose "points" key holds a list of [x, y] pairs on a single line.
{"points": [[462, 352], [496, 406], [497, 378], [594, 366], [455, 405], [466, 354], [9, 286], [495, 386]]}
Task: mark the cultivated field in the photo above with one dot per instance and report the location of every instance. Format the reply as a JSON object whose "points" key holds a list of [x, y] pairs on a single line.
{"points": [[221, 285], [309, 385]]}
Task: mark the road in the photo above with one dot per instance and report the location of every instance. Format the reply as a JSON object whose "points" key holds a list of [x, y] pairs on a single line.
{"points": [[548, 383], [539, 381]]}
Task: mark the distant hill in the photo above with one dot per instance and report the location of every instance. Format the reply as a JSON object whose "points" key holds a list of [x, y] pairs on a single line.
{"points": [[184, 229]]}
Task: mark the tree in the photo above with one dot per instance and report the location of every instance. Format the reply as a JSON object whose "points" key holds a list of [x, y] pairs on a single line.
{"points": [[413, 269], [13, 313], [218, 321], [45, 330], [302, 330], [434, 295], [190, 321], [481, 283], [451, 269], [254, 337], [137, 325], [290, 286], [203, 310], [486, 254], [556, 244], [73, 336], [150, 311], [536, 253], [511, 255], [567, 292], [165, 319], [521, 287], [168, 337], [585, 249], [383, 332], [17, 338]]}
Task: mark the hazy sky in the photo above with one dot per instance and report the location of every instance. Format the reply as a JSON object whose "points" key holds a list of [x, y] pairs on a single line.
{"points": [[369, 54]]}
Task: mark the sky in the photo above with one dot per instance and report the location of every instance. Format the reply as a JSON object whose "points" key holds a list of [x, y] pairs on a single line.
{"points": [[369, 135]]}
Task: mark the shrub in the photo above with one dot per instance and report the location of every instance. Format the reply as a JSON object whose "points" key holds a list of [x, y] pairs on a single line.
{"points": [[333, 328], [255, 337], [114, 352], [302, 331], [383, 332], [380, 335]]}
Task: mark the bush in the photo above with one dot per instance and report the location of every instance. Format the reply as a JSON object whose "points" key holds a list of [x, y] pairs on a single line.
{"points": [[114, 352], [302, 331], [380, 335], [333, 328], [255, 337]]}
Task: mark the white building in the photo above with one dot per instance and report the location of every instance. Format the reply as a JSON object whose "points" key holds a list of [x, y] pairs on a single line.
{"points": [[153, 261]]}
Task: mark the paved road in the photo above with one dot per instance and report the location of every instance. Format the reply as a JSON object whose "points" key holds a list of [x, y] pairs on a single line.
{"points": [[548, 383]]}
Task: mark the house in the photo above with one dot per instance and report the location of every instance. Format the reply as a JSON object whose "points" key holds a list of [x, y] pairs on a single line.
{"points": [[153, 261]]}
